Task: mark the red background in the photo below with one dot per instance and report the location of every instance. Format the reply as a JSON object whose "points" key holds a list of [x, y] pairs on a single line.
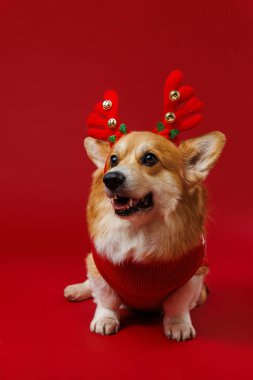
{"points": [[57, 58]]}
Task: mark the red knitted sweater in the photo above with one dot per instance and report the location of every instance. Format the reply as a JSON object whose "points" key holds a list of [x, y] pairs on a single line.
{"points": [[144, 286]]}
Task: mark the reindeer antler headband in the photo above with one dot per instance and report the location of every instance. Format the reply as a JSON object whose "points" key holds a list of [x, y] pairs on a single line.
{"points": [[180, 112]]}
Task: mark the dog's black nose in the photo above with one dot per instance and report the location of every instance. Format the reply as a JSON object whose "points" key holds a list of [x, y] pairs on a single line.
{"points": [[113, 180]]}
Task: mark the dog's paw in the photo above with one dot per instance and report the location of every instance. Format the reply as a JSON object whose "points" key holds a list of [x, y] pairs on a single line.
{"points": [[77, 292], [105, 326], [179, 331]]}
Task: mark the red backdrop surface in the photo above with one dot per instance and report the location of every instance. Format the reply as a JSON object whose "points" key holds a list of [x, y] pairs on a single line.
{"points": [[57, 58]]}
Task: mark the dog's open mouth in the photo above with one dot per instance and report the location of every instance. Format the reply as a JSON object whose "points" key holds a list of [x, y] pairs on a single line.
{"points": [[125, 206]]}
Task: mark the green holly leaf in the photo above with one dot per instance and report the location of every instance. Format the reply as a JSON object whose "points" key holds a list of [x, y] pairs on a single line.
{"points": [[112, 138], [159, 126], [123, 128], [174, 133]]}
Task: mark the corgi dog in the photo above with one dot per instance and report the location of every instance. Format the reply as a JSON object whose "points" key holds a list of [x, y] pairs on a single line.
{"points": [[146, 214]]}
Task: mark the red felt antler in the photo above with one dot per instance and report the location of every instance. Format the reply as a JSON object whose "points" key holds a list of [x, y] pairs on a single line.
{"points": [[181, 112], [181, 108], [103, 123]]}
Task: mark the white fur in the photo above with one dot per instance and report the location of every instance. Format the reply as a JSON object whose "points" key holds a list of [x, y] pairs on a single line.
{"points": [[123, 239], [106, 318], [105, 321], [177, 320]]}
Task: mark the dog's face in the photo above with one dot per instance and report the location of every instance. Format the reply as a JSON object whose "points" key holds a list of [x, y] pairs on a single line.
{"points": [[142, 170], [146, 173]]}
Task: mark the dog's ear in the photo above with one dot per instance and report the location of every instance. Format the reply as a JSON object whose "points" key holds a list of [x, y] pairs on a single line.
{"points": [[97, 150], [200, 155]]}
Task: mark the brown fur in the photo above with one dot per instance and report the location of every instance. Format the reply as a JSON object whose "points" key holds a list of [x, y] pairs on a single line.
{"points": [[91, 266]]}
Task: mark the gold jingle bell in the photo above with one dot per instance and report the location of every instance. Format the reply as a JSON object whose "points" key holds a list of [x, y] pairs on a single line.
{"points": [[107, 104], [170, 117], [112, 123], [174, 95]]}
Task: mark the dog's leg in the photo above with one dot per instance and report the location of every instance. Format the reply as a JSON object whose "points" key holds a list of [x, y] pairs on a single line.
{"points": [[106, 318], [78, 292], [177, 320]]}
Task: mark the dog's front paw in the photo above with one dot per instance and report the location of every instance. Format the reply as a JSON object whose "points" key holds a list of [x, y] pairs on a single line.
{"points": [[105, 326], [179, 331]]}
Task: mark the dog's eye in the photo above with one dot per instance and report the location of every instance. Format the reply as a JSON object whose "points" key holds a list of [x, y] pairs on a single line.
{"points": [[113, 160], [149, 159]]}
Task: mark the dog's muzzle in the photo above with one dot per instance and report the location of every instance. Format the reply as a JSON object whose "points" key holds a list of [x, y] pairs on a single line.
{"points": [[123, 203]]}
